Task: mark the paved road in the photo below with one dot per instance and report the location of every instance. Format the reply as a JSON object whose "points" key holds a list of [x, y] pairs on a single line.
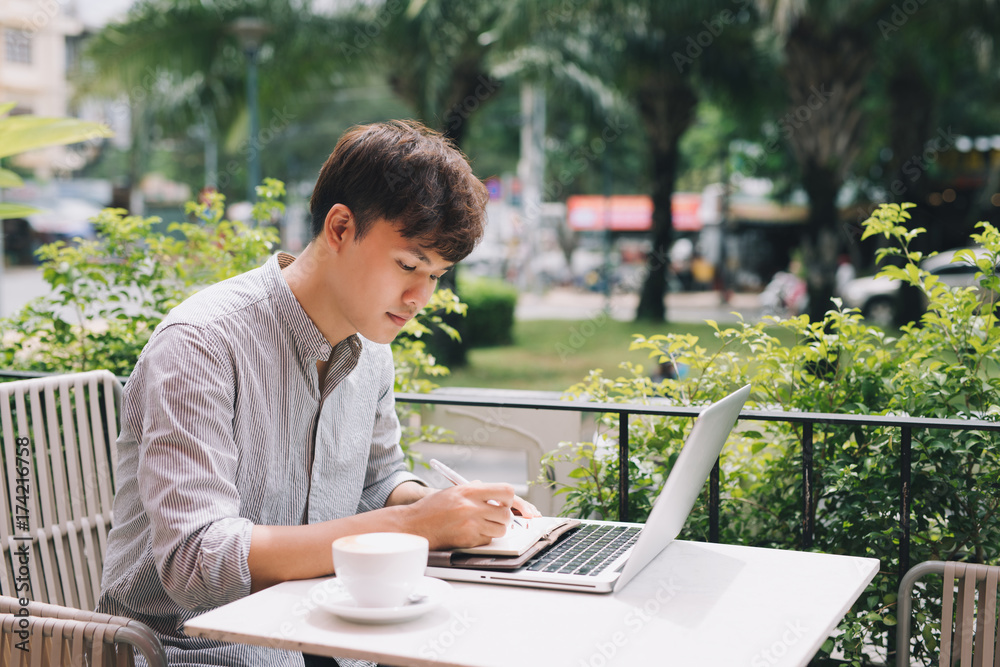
{"points": [[573, 304], [21, 284]]}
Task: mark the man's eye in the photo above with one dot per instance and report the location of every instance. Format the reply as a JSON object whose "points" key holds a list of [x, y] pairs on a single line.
{"points": [[407, 268]]}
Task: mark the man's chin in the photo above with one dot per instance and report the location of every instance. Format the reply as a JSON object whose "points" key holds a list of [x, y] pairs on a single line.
{"points": [[381, 337]]}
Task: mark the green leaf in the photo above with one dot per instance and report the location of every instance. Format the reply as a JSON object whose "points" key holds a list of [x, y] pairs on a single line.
{"points": [[24, 133], [9, 179], [16, 210]]}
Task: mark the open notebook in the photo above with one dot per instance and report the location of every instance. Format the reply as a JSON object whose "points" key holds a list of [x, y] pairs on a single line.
{"points": [[601, 556], [518, 538], [517, 547]]}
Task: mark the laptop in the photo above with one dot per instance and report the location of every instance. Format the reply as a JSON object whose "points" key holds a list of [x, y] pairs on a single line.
{"points": [[603, 556]]}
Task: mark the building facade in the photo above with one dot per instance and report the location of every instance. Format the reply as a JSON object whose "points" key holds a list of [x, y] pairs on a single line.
{"points": [[34, 60]]}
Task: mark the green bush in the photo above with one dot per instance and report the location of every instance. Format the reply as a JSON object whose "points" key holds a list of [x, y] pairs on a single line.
{"points": [[942, 366], [490, 318], [415, 365], [109, 293]]}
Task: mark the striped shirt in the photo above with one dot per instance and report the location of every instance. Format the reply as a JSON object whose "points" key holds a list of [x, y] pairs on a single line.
{"points": [[224, 426]]}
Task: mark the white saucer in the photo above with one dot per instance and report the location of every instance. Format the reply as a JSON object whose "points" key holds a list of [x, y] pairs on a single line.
{"points": [[344, 606]]}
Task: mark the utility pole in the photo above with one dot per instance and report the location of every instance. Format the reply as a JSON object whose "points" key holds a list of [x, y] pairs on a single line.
{"points": [[531, 172]]}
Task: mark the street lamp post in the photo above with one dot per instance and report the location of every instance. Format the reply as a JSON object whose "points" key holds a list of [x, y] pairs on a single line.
{"points": [[250, 32]]}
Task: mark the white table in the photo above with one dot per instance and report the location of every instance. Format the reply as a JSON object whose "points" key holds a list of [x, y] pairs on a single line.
{"points": [[695, 604]]}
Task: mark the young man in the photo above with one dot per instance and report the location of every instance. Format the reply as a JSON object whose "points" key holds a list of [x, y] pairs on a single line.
{"points": [[259, 423]]}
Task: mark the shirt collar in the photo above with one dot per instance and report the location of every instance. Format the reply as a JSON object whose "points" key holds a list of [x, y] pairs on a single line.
{"points": [[309, 341]]}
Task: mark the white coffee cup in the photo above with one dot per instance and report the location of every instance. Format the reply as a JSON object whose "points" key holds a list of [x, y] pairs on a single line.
{"points": [[380, 569]]}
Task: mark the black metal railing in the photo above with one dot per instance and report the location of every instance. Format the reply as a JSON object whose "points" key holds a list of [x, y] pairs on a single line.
{"points": [[906, 425]]}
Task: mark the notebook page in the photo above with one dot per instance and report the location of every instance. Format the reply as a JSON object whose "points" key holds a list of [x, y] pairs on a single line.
{"points": [[518, 539]]}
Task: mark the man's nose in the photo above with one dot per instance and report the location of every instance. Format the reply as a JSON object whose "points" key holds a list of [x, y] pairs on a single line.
{"points": [[420, 293]]}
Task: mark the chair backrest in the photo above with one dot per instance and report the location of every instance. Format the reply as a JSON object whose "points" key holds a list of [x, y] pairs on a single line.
{"points": [[40, 634], [58, 461], [968, 617]]}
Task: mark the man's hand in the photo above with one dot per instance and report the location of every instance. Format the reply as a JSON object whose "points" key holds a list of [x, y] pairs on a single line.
{"points": [[464, 516], [522, 507]]}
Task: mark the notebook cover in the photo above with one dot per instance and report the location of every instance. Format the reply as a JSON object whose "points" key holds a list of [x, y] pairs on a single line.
{"points": [[486, 562]]}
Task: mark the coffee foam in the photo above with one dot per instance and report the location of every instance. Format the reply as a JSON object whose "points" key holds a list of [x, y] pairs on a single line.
{"points": [[379, 543]]}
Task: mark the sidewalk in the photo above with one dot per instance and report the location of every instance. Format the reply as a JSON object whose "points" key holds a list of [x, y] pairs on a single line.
{"points": [[20, 285], [574, 304]]}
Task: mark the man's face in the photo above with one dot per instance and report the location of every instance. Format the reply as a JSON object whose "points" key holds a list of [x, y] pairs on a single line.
{"points": [[387, 279]]}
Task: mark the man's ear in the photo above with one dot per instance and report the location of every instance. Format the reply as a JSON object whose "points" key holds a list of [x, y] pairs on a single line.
{"points": [[338, 228]]}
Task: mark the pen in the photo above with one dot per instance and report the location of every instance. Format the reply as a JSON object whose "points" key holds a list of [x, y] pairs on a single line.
{"points": [[457, 480]]}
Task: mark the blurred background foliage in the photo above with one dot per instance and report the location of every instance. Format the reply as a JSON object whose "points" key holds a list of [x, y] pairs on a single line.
{"points": [[640, 96]]}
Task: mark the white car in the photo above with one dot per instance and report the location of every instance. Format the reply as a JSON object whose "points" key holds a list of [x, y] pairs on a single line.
{"points": [[880, 299]]}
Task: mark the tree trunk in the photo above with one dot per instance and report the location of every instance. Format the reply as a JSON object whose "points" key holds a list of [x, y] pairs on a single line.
{"points": [[910, 97], [651, 300], [667, 107], [821, 242], [469, 88], [826, 68]]}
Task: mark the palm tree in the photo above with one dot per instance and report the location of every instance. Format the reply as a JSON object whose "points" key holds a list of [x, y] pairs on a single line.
{"points": [[178, 64], [665, 57], [829, 51], [447, 59], [838, 56], [953, 82], [438, 55]]}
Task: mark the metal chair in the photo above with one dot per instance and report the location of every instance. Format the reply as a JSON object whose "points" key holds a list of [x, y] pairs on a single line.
{"points": [[57, 490], [43, 634], [971, 638]]}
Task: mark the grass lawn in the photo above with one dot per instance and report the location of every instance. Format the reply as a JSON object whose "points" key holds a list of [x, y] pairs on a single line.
{"points": [[554, 354]]}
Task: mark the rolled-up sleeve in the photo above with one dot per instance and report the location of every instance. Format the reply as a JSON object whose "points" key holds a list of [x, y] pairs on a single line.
{"points": [[188, 464]]}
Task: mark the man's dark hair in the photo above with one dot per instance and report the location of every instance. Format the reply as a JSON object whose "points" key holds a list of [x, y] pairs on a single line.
{"points": [[409, 175]]}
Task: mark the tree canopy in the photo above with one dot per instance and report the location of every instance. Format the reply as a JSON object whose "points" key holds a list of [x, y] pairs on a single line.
{"points": [[835, 97]]}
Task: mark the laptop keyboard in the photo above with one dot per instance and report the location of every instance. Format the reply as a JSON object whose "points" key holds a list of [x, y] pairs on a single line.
{"points": [[586, 550]]}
